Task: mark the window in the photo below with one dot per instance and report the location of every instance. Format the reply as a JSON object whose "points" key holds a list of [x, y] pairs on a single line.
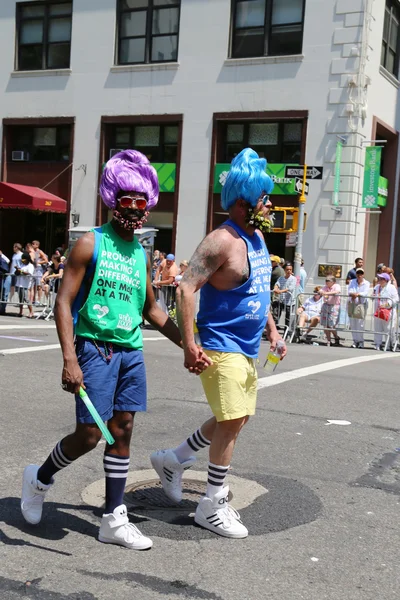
{"points": [[267, 27], [48, 144], [278, 142], [158, 142], [44, 35], [390, 39], [148, 31]]}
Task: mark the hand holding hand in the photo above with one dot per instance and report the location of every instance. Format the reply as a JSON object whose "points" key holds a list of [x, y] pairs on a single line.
{"points": [[196, 360]]}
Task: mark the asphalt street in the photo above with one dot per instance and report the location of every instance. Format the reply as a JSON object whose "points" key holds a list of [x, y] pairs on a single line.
{"points": [[321, 500]]}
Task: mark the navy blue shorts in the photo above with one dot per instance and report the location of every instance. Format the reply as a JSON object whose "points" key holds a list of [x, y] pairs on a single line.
{"points": [[117, 385]]}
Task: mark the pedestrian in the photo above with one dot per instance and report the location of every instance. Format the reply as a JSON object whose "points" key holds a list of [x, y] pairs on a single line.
{"points": [[357, 307], [310, 313], [385, 315], [285, 288], [25, 283], [109, 268], [4, 267], [165, 278], [15, 264], [381, 268], [330, 309], [183, 265], [393, 279], [277, 272], [352, 274], [40, 263], [51, 279], [232, 269]]}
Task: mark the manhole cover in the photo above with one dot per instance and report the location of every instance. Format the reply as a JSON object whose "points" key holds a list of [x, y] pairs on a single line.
{"points": [[151, 496]]}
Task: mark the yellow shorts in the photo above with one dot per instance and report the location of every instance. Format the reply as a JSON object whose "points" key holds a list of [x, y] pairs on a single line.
{"points": [[230, 385]]}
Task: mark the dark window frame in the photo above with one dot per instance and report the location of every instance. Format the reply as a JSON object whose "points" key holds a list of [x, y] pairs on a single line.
{"points": [[30, 130], [46, 19], [268, 30], [149, 35], [132, 127], [223, 156], [393, 8]]}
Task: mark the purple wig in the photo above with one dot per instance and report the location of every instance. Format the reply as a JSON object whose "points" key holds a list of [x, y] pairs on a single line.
{"points": [[129, 171]]}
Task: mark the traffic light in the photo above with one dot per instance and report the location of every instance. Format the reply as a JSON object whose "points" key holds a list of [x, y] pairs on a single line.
{"points": [[286, 219]]}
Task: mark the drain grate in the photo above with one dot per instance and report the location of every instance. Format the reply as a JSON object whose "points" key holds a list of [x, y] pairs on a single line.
{"points": [[150, 495]]}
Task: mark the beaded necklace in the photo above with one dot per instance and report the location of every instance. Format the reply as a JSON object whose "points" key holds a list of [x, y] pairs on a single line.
{"points": [[108, 351]]}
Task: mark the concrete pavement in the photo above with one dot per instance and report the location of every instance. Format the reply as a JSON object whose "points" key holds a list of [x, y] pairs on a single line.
{"points": [[325, 528]]}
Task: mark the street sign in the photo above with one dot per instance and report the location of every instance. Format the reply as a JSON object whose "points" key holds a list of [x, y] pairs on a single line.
{"points": [[291, 240], [312, 172], [298, 186]]}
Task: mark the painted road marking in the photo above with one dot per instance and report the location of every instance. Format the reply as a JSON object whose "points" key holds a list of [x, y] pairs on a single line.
{"points": [[21, 339], [266, 382], [55, 346], [14, 327]]}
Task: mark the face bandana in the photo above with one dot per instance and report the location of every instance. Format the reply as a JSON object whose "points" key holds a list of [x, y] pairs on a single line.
{"points": [[127, 223], [258, 221]]}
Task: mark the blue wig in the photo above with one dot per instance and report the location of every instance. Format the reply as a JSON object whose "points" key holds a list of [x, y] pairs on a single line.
{"points": [[246, 180]]}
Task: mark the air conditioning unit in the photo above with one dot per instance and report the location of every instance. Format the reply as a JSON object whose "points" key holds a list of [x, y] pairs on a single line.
{"points": [[19, 155], [114, 151]]}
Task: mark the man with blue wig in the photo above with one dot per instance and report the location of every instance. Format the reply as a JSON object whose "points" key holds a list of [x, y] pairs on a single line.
{"points": [[232, 269], [106, 289]]}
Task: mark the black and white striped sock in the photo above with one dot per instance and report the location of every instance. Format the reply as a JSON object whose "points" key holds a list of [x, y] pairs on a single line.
{"points": [[216, 479], [56, 461], [116, 471], [194, 443]]}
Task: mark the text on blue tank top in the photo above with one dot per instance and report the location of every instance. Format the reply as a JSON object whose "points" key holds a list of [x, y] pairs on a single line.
{"points": [[234, 320]]}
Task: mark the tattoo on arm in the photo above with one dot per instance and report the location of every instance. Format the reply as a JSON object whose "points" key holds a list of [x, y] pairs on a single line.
{"points": [[206, 260]]}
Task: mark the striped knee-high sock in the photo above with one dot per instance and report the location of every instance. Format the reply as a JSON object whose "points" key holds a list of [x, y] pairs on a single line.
{"points": [[116, 471], [216, 479], [56, 461], [194, 443]]}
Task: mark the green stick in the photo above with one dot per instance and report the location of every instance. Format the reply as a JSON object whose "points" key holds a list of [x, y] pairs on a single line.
{"points": [[96, 416]]}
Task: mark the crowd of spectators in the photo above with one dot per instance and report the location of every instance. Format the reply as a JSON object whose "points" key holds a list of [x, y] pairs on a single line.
{"points": [[29, 277], [331, 306]]}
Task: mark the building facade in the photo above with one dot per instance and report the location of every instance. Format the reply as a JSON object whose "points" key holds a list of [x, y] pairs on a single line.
{"points": [[192, 82]]}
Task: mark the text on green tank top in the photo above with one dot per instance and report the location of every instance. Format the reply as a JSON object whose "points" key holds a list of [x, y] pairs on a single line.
{"points": [[114, 306]]}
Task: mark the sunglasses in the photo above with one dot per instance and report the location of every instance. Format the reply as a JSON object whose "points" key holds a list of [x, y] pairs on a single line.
{"points": [[130, 201], [265, 199]]}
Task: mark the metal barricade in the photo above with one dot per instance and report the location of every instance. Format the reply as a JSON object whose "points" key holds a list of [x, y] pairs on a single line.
{"points": [[284, 313], [166, 298], [377, 331], [16, 290]]}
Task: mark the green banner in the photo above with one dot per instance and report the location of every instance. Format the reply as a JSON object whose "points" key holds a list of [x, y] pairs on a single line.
{"points": [[383, 192], [338, 164], [284, 186], [371, 176], [166, 175]]}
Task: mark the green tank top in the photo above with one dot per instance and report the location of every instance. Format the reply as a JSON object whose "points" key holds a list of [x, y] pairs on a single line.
{"points": [[113, 308]]}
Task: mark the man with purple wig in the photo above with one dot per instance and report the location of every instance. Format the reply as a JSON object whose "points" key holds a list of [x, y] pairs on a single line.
{"points": [[105, 291]]}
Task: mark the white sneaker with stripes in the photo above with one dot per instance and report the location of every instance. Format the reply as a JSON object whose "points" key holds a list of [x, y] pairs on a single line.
{"points": [[33, 493], [116, 529], [218, 516], [170, 472]]}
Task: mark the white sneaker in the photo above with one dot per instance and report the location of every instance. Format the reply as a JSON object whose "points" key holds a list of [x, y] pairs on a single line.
{"points": [[216, 515], [170, 472], [33, 493], [116, 529]]}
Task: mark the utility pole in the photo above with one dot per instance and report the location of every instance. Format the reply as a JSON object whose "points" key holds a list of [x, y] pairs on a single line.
{"points": [[299, 246]]}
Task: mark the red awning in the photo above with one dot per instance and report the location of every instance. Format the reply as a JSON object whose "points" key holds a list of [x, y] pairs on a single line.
{"points": [[13, 195]]}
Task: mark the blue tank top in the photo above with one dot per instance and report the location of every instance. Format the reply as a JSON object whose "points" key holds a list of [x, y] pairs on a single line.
{"points": [[234, 320]]}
